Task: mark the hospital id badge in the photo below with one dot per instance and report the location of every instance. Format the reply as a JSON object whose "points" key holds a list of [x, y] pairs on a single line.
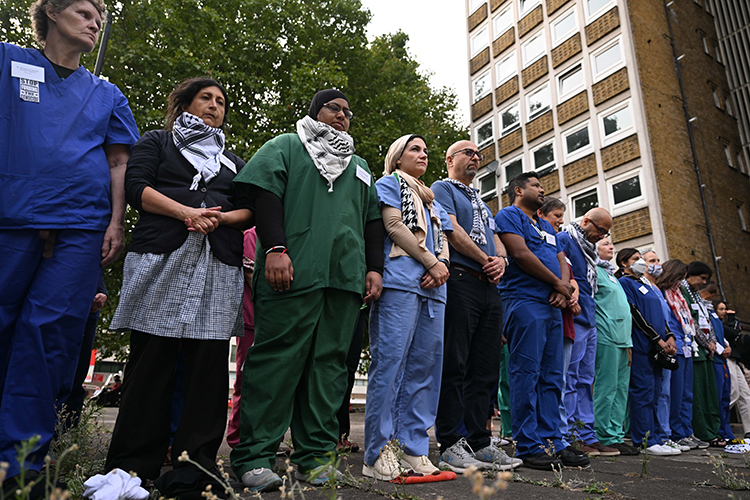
{"points": [[612, 279], [29, 77], [686, 351], [643, 290], [550, 239]]}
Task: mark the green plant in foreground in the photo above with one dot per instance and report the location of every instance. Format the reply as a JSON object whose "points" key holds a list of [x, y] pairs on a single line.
{"points": [[49, 476], [645, 455], [729, 478]]}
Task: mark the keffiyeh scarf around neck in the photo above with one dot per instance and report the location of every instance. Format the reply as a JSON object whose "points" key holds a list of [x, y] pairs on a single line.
{"points": [[329, 148], [679, 307], [589, 253], [200, 144], [414, 196], [607, 266], [480, 218]]}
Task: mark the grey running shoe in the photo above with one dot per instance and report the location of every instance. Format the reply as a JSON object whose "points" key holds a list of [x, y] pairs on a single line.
{"points": [[687, 442], [495, 458], [702, 445], [261, 479], [458, 458]]}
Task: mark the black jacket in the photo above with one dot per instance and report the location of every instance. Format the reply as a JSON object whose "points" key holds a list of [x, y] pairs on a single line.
{"points": [[156, 162]]}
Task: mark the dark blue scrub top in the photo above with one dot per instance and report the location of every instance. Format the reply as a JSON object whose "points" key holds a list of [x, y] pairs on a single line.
{"points": [[577, 260], [646, 300], [719, 331], [516, 283], [457, 203]]}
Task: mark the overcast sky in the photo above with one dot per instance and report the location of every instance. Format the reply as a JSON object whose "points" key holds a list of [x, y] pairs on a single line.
{"points": [[437, 39]]}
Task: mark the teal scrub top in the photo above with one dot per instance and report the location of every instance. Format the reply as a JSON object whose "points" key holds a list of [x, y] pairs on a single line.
{"points": [[324, 230], [614, 322]]}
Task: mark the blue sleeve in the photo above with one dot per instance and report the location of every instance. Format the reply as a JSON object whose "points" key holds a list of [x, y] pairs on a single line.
{"points": [[563, 242], [389, 192], [444, 196], [121, 128], [507, 221], [629, 290], [445, 221]]}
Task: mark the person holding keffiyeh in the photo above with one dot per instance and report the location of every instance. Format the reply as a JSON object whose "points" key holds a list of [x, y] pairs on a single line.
{"points": [[578, 241], [319, 254], [182, 288], [406, 322]]}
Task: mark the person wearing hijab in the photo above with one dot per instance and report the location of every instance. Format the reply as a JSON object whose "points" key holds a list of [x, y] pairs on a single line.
{"points": [[182, 287], [319, 254], [406, 322]]}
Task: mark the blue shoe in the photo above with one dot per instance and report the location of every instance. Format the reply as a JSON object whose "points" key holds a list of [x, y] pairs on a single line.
{"points": [[261, 479]]}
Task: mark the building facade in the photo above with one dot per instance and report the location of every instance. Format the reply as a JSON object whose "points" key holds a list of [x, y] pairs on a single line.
{"points": [[623, 104]]}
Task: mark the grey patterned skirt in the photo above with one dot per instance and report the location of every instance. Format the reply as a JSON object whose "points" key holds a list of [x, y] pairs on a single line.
{"points": [[188, 293]]}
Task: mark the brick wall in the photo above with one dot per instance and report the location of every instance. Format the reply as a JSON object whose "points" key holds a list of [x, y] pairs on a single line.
{"points": [[477, 17]]}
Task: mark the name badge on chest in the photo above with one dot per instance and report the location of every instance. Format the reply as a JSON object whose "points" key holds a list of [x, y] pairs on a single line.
{"points": [[363, 175], [612, 279], [29, 77], [643, 290], [550, 239]]}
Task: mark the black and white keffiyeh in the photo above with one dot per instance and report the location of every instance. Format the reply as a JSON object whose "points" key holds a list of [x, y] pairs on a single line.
{"points": [[607, 266], [589, 253], [410, 218], [330, 149], [200, 144], [481, 215]]}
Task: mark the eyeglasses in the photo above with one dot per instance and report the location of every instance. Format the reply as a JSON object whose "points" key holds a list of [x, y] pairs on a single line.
{"points": [[602, 232], [470, 153], [336, 108]]}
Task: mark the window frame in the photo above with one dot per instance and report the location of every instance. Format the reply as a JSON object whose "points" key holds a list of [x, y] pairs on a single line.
{"points": [[579, 153], [618, 135], [741, 166], [531, 6], [580, 194], [598, 76], [591, 16], [537, 114], [556, 42], [478, 4], [508, 162], [508, 10], [492, 192], [513, 54], [475, 52], [487, 74], [633, 203], [540, 34], [532, 160], [562, 97], [483, 145], [728, 156], [503, 130]]}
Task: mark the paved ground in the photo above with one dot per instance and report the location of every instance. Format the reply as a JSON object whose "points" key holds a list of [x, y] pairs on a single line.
{"points": [[684, 477]]}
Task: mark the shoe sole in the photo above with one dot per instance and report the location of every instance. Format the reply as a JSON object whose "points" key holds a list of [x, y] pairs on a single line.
{"points": [[458, 470], [609, 453], [271, 485], [370, 472], [540, 467]]}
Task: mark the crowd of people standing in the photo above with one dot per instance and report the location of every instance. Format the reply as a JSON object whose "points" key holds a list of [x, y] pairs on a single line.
{"points": [[466, 310]]}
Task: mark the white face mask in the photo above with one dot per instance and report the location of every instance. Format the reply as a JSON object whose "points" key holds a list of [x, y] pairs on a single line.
{"points": [[654, 270], [639, 267]]}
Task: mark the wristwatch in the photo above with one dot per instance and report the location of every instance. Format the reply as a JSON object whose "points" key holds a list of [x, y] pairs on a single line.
{"points": [[507, 262]]}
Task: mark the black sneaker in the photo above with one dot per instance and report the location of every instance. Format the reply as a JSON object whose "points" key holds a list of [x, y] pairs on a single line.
{"points": [[570, 459], [576, 451], [625, 449], [541, 461]]}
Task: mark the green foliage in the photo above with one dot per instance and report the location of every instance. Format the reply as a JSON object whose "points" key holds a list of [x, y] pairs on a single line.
{"points": [[272, 56]]}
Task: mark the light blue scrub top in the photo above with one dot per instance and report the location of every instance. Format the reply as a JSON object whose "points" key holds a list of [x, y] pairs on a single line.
{"points": [[53, 170], [457, 203], [405, 273], [516, 283], [577, 260]]}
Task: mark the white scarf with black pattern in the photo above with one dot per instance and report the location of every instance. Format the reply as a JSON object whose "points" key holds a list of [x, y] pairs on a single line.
{"points": [[200, 144], [330, 149], [481, 216], [589, 253]]}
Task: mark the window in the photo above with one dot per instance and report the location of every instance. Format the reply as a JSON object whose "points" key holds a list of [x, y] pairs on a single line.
{"points": [[544, 156], [616, 122], [584, 202], [717, 53], [513, 168], [482, 86], [715, 92], [595, 8], [741, 213], [741, 163], [563, 27], [577, 141], [488, 186], [484, 134], [533, 49], [607, 60], [479, 41], [524, 6], [538, 102], [474, 5], [502, 22], [704, 42], [506, 68], [510, 118], [728, 103], [626, 192], [707, 5], [728, 154], [570, 82]]}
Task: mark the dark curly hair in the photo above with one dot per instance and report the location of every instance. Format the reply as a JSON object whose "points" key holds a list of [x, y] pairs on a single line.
{"points": [[182, 96]]}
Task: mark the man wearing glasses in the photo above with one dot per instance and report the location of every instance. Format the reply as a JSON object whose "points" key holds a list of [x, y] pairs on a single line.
{"points": [[473, 315], [319, 255], [578, 241]]}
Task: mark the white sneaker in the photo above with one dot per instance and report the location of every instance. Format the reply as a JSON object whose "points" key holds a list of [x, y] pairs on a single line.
{"points": [[386, 467], [678, 446], [659, 450], [420, 464]]}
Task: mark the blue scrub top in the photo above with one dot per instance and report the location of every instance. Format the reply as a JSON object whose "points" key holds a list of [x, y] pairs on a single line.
{"points": [[53, 169], [577, 260], [403, 272], [457, 203], [649, 303], [719, 331], [516, 283]]}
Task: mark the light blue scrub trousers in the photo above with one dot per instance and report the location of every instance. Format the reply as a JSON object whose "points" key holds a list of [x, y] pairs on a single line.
{"points": [[579, 398], [663, 404], [567, 352], [403, 387]]}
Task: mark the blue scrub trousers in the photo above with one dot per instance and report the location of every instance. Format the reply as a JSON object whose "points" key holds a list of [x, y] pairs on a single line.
{"points": [[681, 401], [567, 353], [664, 403], [645, 389], [579, 400], [535, 340], [44, 305], [723, 389], [403, 386]]}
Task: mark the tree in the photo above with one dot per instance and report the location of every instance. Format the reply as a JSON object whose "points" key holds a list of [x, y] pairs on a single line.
{"points": [[272, 56]]}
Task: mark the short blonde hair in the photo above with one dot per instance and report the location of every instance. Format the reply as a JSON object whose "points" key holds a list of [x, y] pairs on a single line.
{"points": [[40, 21]]}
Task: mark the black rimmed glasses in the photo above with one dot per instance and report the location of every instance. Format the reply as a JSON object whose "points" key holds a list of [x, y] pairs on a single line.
{"points": [[602, 232], [470, 153], [334, 107]]}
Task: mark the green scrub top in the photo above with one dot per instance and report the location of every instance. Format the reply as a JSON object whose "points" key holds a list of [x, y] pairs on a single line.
{"points": [[324, 230], [613, 319]]}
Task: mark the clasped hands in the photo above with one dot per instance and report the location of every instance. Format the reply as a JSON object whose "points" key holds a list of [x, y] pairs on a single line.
{"points": [[204, 220]]}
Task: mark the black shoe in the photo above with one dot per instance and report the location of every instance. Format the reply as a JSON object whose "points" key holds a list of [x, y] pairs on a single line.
{"points": [[625, 449], [576, 451], [570, 459], [541, 461]]}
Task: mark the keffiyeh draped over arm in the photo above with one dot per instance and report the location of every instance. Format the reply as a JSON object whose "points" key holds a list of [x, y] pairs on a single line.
{"points": [[589, 252]]}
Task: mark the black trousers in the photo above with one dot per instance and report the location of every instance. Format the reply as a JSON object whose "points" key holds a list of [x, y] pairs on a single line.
{"points": [[141, 435], [471, 360], [352, 363]]}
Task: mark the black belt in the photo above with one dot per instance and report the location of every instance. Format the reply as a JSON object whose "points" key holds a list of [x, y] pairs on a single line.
{"points": [[476, 274]]}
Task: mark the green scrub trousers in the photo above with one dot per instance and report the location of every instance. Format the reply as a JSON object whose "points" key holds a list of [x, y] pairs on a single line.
{"points": [[706, 417], [611, 383]]}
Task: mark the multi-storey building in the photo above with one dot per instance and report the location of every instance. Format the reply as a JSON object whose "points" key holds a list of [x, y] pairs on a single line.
{"points": [[623, 104]]}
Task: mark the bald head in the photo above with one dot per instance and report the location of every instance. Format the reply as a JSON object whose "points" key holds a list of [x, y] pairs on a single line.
{"points": [[462, 166], [600, 216], [596, 224]]}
